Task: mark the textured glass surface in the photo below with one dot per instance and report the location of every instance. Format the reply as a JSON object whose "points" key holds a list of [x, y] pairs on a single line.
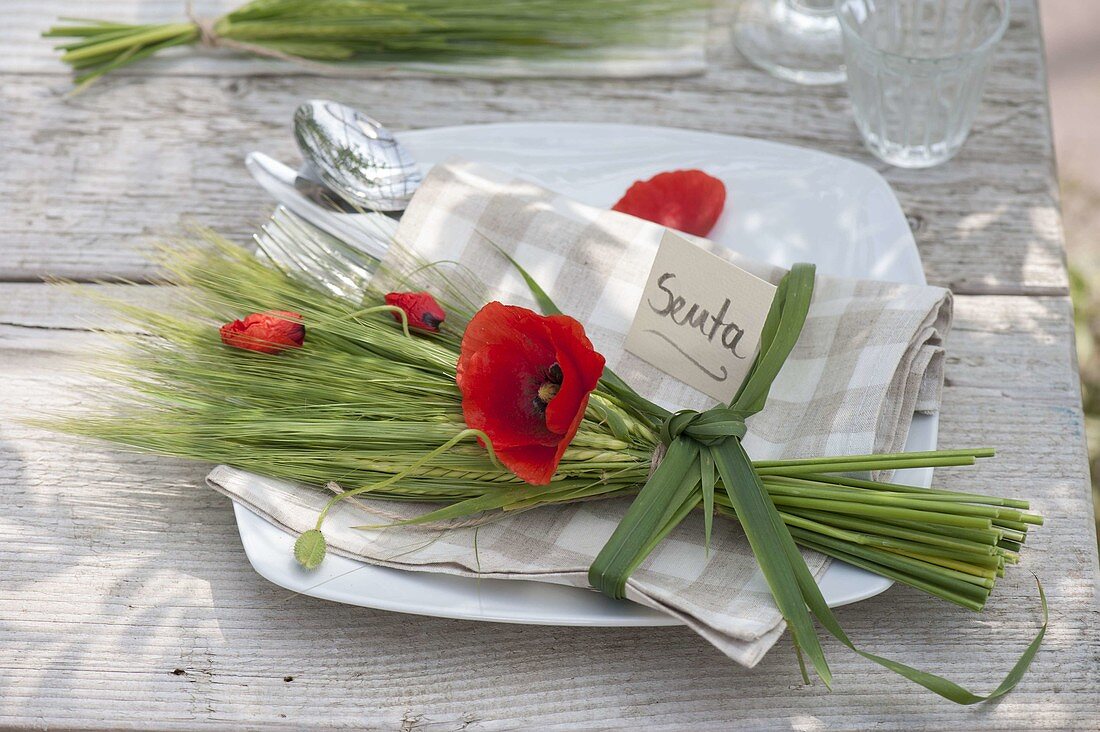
{"points": [[916, 69]]}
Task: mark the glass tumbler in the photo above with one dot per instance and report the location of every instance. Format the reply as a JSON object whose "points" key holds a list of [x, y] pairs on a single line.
{"points": [[916, 69], [796, 40]]}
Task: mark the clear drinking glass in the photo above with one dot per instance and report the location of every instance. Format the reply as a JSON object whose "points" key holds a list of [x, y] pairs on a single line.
{"points": [[797, 40], [916, 69]]}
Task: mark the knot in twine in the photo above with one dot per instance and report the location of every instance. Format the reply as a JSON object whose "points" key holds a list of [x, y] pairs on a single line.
{"points": [[712, 427], [209, 38], [207, 35]]}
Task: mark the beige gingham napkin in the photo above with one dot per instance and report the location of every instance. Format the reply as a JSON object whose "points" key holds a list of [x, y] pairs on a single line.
{"points": [[869, 356]]}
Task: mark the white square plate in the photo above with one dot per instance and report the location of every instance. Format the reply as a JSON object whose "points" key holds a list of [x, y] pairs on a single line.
{"points": [[784, 205]]}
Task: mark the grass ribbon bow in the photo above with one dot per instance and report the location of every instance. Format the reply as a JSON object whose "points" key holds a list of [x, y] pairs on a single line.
{"points": [[699, 442]]}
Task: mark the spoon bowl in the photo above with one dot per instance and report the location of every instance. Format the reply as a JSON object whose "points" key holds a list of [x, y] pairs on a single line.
{"points": [[355, 156]]}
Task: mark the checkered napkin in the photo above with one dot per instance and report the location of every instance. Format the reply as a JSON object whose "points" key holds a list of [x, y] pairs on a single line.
{"points": [[869, 356]]}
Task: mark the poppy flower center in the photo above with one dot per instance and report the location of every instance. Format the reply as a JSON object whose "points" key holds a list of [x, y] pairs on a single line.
{"points": [[547, 392], [549, 388]]}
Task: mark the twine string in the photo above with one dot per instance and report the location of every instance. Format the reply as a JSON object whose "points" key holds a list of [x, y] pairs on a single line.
{"points": [[210, 38], [656, 459], [207, 36]]}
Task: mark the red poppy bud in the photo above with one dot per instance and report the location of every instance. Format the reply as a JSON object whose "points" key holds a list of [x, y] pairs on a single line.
{"points": [[272, 332], [685, 200], [421, 309], [525, 379]]}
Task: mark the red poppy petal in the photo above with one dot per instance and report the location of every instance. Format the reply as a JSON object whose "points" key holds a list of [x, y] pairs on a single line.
{"points": [[686, 200], [508, 415], [537, 464], [504, 345], [571, 432], [533, 464], [497, 323], [581, 370]]}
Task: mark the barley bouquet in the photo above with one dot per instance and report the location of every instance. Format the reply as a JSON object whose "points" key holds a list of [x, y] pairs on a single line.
{"points": [[488, 408], [319, 33]]}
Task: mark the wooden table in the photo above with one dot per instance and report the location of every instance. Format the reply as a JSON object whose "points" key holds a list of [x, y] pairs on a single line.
{"points": [[125, 597]]}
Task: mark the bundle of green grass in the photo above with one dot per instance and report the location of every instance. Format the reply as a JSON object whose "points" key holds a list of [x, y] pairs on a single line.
{"points": [[339, 31], [375, 408]]}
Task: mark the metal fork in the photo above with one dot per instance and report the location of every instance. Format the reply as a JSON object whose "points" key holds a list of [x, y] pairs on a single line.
{"points": [[323, 260]]}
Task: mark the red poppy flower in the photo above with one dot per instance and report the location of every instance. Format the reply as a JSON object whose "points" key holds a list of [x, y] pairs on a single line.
{"points": [[685, 200], [271, 332], [421, 309], [525, 380]]}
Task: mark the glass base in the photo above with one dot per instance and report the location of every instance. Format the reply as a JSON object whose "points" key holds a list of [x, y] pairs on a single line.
{"points": [[796, 40], [910, 156]]}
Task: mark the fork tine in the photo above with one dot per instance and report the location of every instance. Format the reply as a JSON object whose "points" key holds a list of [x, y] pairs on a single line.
{"points": [[305, 251], [320, 255], [285, 252], [326, 250]]}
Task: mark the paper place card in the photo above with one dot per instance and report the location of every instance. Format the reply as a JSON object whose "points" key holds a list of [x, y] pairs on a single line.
{"points": [[700, 318]]}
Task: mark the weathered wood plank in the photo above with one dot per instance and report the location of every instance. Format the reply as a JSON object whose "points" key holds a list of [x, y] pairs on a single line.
{"points": [[102, 174], [127, 602]]}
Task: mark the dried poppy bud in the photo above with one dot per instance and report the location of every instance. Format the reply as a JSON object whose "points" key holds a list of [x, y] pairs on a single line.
{"points": [[420, 308], [272, 332]]}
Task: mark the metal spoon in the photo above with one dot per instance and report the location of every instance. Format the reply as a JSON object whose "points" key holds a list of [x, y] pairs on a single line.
{"points": [[310, 185], [355, 156]]}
